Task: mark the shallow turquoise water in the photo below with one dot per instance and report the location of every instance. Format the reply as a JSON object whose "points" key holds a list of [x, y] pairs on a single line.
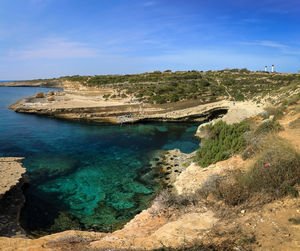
{"points": [[87, 176]]}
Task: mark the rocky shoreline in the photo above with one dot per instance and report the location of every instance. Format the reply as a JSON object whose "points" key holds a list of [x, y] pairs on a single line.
{"points": [[79, 102], [13, 178], [174, 162], [169, 224], [93, 109]]}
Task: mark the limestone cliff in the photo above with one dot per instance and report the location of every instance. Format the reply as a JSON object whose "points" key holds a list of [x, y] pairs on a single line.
{"points": [[13, 177]]}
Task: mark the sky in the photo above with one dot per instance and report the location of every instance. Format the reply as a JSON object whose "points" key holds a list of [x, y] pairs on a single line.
{"points": [[53, 38]]}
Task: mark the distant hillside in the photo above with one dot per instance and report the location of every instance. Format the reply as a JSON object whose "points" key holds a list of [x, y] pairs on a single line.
{"points": [[163, 87]]}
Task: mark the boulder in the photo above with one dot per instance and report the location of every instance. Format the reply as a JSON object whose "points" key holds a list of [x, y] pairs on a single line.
{"points": [[39, 95], [50, 93]]}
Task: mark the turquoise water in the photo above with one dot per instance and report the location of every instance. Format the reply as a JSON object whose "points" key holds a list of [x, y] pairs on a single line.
{"points": [[85, 176]]}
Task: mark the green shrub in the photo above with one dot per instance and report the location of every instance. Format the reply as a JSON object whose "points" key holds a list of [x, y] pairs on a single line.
{"points": [[292, 100], [277, 112], [268, 126], [105, 96], [295, 220], [78, 78], [224, 140]]}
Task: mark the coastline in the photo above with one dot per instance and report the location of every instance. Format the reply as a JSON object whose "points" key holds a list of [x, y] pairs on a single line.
{"points": [[79, 107], [12, 200], [172, 223], [176, 221]]}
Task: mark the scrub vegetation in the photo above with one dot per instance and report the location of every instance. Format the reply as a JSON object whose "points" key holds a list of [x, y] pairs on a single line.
{"points": [[223, 141], [273, 175], [274, 172], [163, 87]]}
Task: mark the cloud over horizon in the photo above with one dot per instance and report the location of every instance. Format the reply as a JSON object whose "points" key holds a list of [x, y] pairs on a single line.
{"points": [[54, 48], [105, 37]]}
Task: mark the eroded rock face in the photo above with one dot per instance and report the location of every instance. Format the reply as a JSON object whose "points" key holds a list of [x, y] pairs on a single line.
{"points": [[237, 112], [186, 229], [11, 171], [195, 177], [13, 177], [91, 106]]}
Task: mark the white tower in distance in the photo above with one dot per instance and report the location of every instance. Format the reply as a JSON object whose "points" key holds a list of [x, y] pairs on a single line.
{"points": [[266, 68], [272, 68]]}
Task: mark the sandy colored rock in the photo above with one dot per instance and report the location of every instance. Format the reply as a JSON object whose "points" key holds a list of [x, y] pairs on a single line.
{"points": [[39, 95], [186, 229], [193, 177], [50, 93], [88, 103], [11, 171], [51, 98], [237, 112]]}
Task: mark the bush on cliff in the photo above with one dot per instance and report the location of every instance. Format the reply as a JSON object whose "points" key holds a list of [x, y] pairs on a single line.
{"points": [[268, 126], [223, 141], [274, 174]]}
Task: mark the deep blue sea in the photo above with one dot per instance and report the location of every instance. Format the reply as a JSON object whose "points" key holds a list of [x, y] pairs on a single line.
{"points": [[85, 175]]}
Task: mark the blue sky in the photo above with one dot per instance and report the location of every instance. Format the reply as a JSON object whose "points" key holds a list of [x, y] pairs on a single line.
{"points": [[52, 38]]}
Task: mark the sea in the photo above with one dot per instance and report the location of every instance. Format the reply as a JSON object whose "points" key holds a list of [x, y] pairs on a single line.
{"points": [[87, 176]]}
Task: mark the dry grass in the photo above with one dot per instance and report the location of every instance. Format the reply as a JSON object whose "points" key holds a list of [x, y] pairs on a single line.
{"points": [[274, 173], [268, 127], [295, 124]]}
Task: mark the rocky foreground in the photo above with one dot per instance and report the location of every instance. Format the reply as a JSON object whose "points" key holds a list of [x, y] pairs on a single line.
{"points": [[206, 224], [13, 177], [211, 223]]}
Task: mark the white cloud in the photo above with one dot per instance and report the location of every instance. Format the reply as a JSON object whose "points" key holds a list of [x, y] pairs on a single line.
{"points": [[55, 48], [266, 43], [283, 48]]}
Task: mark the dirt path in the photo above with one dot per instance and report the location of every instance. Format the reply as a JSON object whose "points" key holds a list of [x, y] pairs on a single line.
{"points": [[291, 134]]}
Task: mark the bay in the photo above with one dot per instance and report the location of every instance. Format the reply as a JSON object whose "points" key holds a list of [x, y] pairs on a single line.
{"points": [[85, 175]]}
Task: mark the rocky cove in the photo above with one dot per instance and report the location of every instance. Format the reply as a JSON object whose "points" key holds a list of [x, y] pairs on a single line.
{"points": [[60, 156], [164, 223]]}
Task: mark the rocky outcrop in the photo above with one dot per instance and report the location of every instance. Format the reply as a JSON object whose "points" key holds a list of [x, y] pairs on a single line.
{"points": [[237, 112], [50, 83], [195, 177], [95, 108], [11, 173], [11, 196]]}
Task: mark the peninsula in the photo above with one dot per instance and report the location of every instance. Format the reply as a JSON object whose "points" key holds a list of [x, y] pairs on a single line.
{"points": [[157, 96]]}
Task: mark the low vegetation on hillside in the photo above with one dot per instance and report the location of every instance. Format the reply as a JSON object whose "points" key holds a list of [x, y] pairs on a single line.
{"points": [[272, 173], [162, 87], [223, 141]]}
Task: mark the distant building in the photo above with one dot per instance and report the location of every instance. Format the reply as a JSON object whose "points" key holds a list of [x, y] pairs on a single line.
{"points": [[272, 68], [299, 71], [266, 68]]}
